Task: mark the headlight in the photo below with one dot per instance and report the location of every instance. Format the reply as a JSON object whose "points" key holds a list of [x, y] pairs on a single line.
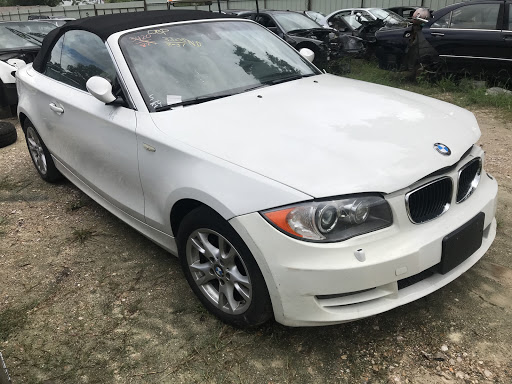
{"points": [[332, 220]]}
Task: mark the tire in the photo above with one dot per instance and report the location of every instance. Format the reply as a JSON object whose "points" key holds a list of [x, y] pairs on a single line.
{"points": [[40, 155], [228, 283], [8, 134]]}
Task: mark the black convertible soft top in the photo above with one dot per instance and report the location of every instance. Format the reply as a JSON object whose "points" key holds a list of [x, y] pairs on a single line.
{"points": [[106, 25]]}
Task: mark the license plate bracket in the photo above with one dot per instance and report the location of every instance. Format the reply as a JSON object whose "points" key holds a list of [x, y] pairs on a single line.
{"points": [[462, 243]]}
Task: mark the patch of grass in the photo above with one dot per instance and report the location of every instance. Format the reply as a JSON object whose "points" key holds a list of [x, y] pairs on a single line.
{"points": [[82, 235], [6, 184], [76, 205], [454, 89], [12, 319]]}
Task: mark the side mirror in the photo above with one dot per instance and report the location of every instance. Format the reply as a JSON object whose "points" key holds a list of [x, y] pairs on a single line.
{"points": [[101, 89], [18, 63], [308, 54]]}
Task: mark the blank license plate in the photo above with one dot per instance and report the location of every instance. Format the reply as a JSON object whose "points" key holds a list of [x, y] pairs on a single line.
{"points": [[462, 243]]}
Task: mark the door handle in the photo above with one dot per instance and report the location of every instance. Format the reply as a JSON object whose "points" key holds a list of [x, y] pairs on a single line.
{"points": [[56, 109], [437, 34]]}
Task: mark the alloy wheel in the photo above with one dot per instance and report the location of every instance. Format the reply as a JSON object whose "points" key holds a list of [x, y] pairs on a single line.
{"points": [[36, 150], [219, 271]]}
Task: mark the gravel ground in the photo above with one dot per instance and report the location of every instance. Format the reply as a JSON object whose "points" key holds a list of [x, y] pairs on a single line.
{"points": [[86, 299]]}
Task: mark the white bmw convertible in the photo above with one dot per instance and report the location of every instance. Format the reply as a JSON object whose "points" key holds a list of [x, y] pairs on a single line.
{"points": [[284, 191]]}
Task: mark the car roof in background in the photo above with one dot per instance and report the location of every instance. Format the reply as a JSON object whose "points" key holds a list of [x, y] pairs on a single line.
{"points": [[105, 25]]}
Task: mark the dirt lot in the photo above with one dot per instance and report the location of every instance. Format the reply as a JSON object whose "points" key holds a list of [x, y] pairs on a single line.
{"points": [[86, 299]]}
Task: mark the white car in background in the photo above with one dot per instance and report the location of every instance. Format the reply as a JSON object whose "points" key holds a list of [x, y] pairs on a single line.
{"points": [[283, 193], [19, 43], [351, 17]]}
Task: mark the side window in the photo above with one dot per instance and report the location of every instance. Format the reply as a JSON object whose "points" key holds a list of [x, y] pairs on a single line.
{"points": [[265, 21], [510, 17], [82, 55], [476, 16], [53, 68], [407, 13], [443, 21]]}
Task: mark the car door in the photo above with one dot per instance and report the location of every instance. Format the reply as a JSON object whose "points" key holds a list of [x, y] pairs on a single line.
{"points": [[96, 142], [471, 31], [506, 34]]}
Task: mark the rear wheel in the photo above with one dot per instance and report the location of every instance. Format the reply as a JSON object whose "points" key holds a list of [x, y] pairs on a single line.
{"points": [[40, 155], [221, 270], [8, 134]]}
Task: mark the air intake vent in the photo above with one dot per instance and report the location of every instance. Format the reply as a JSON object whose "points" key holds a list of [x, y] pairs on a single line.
{"points": [[469, 177], [430, 200]]}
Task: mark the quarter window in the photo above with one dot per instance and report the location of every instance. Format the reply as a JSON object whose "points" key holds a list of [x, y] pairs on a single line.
{"points": [[77, 56], [475, 16], [443, 22]]}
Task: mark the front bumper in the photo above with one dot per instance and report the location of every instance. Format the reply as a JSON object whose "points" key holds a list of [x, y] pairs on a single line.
{"points": [[321, 284]]}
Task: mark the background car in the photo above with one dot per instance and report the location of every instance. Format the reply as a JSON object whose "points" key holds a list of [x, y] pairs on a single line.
{"points": [[363, 23], [300, 32], [468, 36], [20, 42], [352, 16]]}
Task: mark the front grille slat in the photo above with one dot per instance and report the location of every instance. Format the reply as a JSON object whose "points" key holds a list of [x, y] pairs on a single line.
{"points": [[430, 200], [467, 174]]}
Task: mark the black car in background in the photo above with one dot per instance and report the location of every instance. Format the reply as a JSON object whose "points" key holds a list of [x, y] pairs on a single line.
{"points": [[468, 36], [300, 32]]}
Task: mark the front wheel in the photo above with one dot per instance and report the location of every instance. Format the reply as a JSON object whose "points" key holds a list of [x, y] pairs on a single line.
{"points": [[221, 270]]}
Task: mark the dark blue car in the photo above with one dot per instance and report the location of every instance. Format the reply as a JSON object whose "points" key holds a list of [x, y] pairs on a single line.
{"points": [[473, 35]]}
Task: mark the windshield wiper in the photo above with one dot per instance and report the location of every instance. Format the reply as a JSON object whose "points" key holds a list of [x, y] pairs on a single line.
{"points": [[25, 36], [197, 100], [288, 78], [255, 87]]}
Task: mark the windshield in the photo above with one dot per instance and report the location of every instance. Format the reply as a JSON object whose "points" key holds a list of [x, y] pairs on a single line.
{"points": [[198, 61], [390, 18], [10, 39], [291, 21]]}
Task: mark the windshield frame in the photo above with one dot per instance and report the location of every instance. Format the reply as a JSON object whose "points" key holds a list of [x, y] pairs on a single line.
{"points": [[144, 97]]}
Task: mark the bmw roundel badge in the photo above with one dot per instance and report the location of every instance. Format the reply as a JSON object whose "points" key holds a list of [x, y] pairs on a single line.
{"points": [[442, 149]]}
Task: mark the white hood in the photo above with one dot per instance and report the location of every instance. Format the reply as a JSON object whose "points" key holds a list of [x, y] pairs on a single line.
{"points": [[326, 135]]}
